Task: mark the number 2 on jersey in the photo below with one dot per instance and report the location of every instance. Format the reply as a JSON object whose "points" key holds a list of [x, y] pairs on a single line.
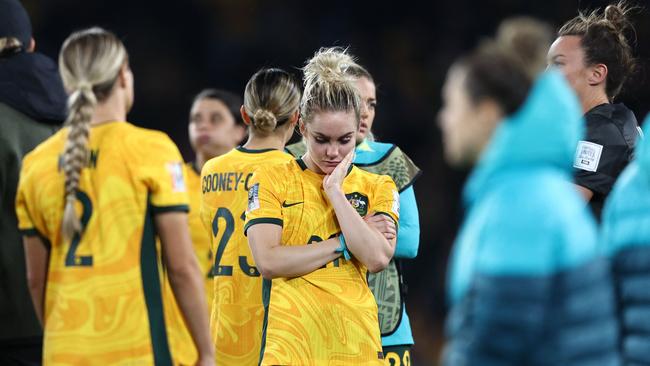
{"points": [[226, 270], [71, 258]]}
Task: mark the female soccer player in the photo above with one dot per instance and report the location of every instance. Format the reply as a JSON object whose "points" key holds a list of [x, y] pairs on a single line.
{"points": [[386, 158], [271, 111], [526, 285], [91, 201], [596, 58], [303, 214], [215, 128]]}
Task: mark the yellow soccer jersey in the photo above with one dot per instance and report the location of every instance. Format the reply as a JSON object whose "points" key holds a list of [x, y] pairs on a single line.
{"points": [[329, 316], [200, 236], [237, 312], [103, 301]]}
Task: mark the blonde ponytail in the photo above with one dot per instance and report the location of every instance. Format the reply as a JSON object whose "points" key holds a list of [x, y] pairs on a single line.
{"points": [[89, 63]]}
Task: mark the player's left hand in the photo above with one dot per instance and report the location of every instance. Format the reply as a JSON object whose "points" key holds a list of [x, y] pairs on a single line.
{"points": [[383, 224], [334, 180]]}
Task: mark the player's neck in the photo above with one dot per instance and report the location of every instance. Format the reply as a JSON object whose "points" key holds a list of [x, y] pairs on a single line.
{"points": [[266, 142], [112, 109], [593, 99]]}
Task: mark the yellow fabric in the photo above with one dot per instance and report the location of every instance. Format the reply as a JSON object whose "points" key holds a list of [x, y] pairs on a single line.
{"points": [[103, 298], [327, 317], [237, 312]]}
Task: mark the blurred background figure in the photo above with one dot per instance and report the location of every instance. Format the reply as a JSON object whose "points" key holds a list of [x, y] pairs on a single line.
{"points": [[32, 107], [92, 202], [525, 270], [215, 128], [626, 235], [594, 54]]}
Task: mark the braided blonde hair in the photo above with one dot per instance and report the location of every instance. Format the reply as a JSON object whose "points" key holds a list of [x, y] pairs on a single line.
{"points": [[89, 62], [329, 87]]}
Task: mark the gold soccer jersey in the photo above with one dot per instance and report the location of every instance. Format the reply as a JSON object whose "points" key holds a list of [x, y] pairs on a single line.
{"points": [[329, 316], [103, 301], [237, 313]]}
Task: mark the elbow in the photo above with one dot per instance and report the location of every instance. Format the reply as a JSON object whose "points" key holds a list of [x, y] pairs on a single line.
{"points": [[378, 264], [35, 282], [267, 271]]}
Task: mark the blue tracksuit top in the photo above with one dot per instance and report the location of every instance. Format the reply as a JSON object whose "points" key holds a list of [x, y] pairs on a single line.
{"points": [[526, 283], [626, 240]]}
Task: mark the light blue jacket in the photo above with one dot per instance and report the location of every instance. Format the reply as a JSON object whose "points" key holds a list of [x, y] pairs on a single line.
{"points": [[526, 284], [626, 239]]}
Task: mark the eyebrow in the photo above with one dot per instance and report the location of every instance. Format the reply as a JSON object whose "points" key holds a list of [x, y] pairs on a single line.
{"points": [[318, 134]]}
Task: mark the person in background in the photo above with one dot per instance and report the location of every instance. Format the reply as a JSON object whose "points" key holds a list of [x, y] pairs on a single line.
{"points": [[32, 107], [625, 233], [270, 110], [92, 202], [215, 127], [526, 283], [389, 159], [595, 56]]}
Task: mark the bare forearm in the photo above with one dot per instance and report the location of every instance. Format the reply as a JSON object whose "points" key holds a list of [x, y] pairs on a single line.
{"points": [[187, 285], [295, 261], [365, 243]]}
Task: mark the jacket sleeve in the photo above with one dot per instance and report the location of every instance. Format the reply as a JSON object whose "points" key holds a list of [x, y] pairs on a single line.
{"points": [[408, 236]]}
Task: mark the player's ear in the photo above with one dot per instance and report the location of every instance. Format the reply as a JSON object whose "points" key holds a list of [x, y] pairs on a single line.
{"points": [[244, 116], [301, 127]]}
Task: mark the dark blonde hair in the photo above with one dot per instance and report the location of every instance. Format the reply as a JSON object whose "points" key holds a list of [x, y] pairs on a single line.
{"points": [[89, 63], [271, 97], [328, 84], [504, 68], [603, 40]]}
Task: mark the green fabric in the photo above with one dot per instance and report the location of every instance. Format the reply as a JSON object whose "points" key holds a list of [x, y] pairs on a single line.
{"points": [[19, 135]]}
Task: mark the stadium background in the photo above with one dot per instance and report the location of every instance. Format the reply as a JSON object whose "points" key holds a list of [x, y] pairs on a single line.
{"points": [[179, 47]]}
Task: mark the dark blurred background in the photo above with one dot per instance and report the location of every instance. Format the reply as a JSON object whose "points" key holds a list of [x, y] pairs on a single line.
{"points": [[179, 47]]}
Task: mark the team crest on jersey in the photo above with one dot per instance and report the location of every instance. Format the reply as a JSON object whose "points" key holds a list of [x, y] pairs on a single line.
{"points": [[254, 197], [359, 202]]}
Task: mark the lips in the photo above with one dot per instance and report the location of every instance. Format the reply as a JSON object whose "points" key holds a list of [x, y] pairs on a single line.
{"points": [[203, 139], [331, 163]]}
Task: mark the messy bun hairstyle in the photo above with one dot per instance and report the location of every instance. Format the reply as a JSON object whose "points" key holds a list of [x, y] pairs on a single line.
{"points": [[272, 95], [504, 68], [328, 86], [603, 37]]}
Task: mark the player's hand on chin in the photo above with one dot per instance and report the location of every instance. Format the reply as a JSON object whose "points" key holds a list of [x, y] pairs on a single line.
{"points": [[333, 182]]}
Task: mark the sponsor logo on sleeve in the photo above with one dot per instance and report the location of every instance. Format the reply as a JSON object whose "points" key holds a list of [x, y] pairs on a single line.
{"points": [[587, 156], [254, 197], [176, 173]]}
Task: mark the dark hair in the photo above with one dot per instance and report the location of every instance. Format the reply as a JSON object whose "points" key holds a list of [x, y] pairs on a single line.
{"points": [[271, 97], [504, 68], [232, 101], [603, 40]]}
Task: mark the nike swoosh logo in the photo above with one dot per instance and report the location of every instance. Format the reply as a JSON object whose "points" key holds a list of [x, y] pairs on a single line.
{"points": [[285, 204]]}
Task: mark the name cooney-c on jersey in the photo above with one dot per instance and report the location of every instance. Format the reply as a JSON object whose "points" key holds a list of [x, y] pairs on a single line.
{"points": [[223, 182], [91, 163]]}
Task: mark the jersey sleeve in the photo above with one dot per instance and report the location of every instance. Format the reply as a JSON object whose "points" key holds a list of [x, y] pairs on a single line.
{"points": [[264, 200], [163, 173], [386, 198], [28, 224], [601, 157]]}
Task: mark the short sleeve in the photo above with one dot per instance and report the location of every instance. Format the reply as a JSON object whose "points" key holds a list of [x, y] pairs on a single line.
{"points": [[25, 223], [164, 174], [264, 202], [601, 157], [386, 198]]}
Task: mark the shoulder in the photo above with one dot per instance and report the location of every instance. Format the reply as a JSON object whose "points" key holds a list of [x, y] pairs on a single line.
{"points": [[544, 228], [51, 147]]}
